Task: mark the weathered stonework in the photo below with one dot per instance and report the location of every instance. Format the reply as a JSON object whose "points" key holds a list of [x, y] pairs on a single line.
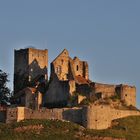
{"points": [[91, 117], [22, 113], [105, 90], [66, 68], [101, 116], [126, 93], [30, 98], [58, 93], [65, 75], [69, 78], [29, 65]]}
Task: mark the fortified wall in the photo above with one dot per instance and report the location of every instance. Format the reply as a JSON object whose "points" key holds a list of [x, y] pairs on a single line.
{"points": [[101, 116], [126, 93], [22, 113], [91, 117]]}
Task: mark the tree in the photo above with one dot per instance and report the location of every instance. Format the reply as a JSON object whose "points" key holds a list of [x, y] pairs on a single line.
{"points": [[4, 90]]}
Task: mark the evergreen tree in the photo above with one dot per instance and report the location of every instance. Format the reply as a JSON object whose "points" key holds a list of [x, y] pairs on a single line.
{"points": [[4, 90]]}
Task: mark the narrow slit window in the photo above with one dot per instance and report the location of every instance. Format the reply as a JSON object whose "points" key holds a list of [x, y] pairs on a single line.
{"points": [[77, 67]]}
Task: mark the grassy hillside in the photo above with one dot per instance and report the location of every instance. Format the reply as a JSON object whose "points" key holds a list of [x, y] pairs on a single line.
{"points": [[128, 128]]}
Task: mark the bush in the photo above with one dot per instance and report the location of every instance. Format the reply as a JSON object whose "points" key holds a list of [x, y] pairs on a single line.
{"points": [[85, 102], [115, 97]]}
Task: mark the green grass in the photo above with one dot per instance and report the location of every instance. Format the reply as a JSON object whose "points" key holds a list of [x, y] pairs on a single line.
{"points": [[128, 128], [53, 130]]}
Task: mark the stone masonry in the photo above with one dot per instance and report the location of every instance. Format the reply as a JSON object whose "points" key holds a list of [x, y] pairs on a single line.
{"points": [[91, 117], [67, 68], [101, 116], [29, 65], [65, 74], [69, 77], [126, 93]]}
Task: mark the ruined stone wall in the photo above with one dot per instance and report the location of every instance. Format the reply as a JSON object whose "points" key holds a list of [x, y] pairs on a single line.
{"points": [[15, 114], [38, 63], [86, 70], [105, 89], [91, 117], [29, 99], [20, 68], [11, 115], [39, 100], [128, 94], [33, 100], [80, 68], [101, 116], [125, 92], [20, 113], [57, 93], [60, 66], [20, 60], [68, 114], [65, 67], [28, 64], [63, 77]]}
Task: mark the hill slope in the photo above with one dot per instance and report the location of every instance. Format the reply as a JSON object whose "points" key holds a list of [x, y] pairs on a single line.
{"points": [[126, 128]]}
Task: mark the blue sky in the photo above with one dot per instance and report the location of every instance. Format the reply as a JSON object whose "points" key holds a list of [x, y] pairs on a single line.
{"points": [[106, 33]]}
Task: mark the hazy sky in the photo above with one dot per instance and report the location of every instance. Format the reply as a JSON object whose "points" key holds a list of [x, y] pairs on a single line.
{"points": [[106, 33]]}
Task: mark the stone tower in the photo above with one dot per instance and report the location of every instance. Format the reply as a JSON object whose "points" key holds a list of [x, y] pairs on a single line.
{"points": [[30, 65]]}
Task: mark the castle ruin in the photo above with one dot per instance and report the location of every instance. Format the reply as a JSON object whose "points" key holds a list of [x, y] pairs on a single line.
{"points": [[71, 76], [66, 73], [69, 94]]}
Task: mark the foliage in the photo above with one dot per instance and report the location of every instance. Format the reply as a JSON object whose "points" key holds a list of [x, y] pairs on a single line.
{"points": [[115, 97], [85, 102], [89, 100], [4, 90]]}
